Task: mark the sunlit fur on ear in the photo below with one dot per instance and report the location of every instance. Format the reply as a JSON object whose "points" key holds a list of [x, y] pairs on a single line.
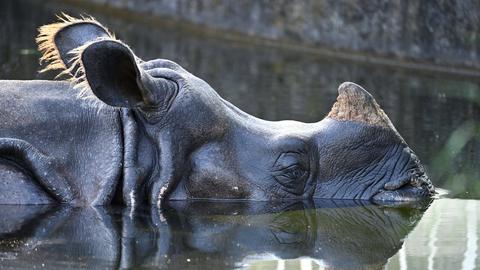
{"points": [[46, 40], [79, 79]]}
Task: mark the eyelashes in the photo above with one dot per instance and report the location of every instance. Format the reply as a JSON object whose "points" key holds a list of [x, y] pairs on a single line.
{"points": [[293, 181], [291, 173], [294, 171]]}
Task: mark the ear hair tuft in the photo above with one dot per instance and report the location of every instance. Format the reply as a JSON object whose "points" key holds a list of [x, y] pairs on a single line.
{"points": [[46, 40]]}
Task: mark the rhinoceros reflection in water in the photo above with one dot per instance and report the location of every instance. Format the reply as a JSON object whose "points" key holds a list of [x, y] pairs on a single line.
{"points": [[151, 131], [203, 235]]}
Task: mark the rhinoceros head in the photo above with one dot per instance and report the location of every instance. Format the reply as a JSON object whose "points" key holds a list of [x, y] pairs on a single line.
{"points": [[204, 147]]}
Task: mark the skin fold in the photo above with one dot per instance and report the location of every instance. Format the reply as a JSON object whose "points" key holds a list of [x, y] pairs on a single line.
{"points": [[132, 131]]}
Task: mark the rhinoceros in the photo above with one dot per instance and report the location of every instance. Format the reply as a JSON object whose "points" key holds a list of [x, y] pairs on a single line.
{"points": [[120, 129]]}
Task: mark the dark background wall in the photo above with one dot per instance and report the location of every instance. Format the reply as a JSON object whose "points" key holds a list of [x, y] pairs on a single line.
{"points": [[438, 32]]}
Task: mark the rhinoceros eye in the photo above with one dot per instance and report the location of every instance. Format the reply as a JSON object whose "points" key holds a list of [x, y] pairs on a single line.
{"points": [[291, 171], [295, 171]]}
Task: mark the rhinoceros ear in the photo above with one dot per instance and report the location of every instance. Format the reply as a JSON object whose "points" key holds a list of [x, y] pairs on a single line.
{"points": [[110, 70], [97, 63], [56, 41], [357, 105]]}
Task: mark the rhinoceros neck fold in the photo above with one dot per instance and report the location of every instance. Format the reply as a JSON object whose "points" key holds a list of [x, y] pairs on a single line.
{"points": [[138, 159]]}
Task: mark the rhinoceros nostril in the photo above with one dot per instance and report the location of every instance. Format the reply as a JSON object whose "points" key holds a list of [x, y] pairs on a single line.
{"points": [[421, 181]]}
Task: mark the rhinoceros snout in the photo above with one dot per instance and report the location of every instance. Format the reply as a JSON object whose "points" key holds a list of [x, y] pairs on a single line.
{"points": [[417, 187]]}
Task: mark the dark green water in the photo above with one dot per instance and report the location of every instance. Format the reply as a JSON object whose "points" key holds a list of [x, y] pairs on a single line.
{"points": [[438, 115]]}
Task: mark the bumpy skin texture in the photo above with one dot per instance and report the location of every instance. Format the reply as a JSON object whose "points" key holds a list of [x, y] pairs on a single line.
{"points": [[150, 131]]}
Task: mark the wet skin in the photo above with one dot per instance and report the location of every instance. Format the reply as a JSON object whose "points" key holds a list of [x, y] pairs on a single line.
{"points": [[151, 131]]}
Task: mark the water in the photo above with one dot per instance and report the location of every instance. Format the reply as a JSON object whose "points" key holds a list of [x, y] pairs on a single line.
{"points": [[199, 235], [438, 114]]}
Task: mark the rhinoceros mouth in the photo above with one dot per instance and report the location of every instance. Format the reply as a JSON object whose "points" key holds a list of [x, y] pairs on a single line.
{"points": [[418, 187], [415, 185]]}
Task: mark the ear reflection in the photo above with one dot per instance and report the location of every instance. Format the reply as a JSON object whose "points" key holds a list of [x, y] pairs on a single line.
{"points": [[342, 234]]}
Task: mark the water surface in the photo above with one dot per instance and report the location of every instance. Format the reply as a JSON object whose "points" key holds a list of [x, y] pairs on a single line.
{"points": [[438, 114], [197, 235]]}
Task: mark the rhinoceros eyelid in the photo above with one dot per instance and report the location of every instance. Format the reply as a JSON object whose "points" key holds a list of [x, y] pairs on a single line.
{"points": [[287, 168], [289, 160], [297, 152]]}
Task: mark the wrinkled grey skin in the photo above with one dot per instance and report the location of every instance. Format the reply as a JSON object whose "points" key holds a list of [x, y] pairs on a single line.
{"points": [[166, 134]]}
